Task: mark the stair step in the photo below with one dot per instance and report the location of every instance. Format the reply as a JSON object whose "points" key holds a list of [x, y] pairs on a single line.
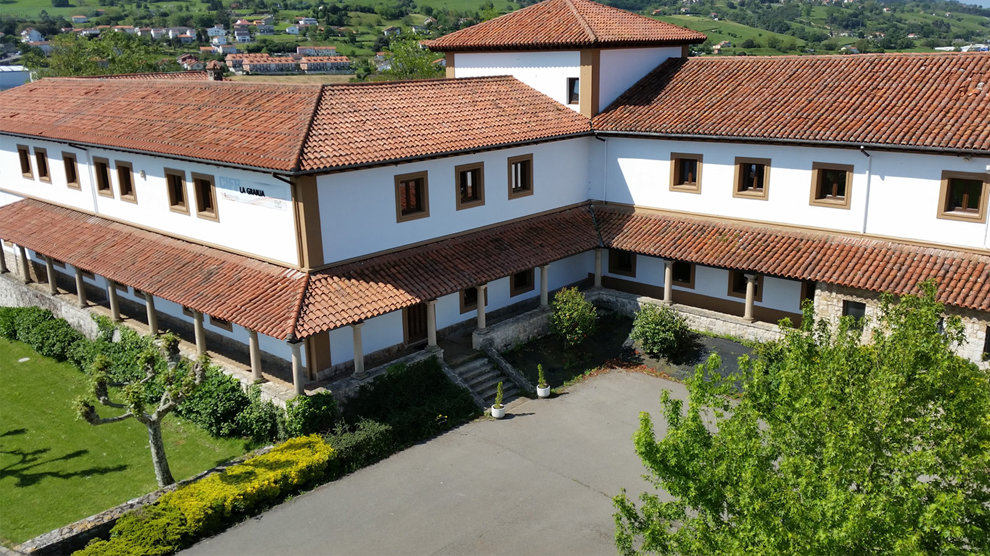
{"points": [[474, 374], [483, 379]]}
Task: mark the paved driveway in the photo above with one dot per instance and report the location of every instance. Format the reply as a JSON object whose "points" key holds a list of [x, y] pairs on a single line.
{"points": [[538, 482]]}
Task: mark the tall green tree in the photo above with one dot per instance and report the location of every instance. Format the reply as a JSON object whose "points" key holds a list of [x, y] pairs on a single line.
{"points": [[410, 60], [110, 53], [834, 447]]}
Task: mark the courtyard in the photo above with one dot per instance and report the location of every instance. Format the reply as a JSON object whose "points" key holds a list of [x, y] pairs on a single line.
{"points": [[538, 482]]}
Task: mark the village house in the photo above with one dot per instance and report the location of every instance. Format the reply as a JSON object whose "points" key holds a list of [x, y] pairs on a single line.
{"points": [[30, 35], [331, 227], [325, 64], [316, 50]]}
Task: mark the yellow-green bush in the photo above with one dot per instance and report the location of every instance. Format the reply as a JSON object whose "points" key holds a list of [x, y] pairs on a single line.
{"points": [[209, 504]]}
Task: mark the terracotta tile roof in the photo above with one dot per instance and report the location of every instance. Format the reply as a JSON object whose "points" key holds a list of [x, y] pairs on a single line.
{"points": [[258, 125], [363, 123], [253, 294], [906, 100], [553, 24], [332, 59], [869, 264], [171, 75], [361, 290]]}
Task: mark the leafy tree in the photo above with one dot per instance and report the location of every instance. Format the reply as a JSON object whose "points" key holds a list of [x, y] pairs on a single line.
{"points": [[165, 371], [660, 330], [111, 53], [572, 318], [412, 61], [834, 447]]}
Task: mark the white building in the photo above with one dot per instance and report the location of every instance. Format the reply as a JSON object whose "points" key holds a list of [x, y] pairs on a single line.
{"points": [[332, 223], [12, 76]]}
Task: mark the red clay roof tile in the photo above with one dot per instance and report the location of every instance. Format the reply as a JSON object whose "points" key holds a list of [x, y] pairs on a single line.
{"points": [[254, 294], [555, 24], [939, 101], [864, 263]]}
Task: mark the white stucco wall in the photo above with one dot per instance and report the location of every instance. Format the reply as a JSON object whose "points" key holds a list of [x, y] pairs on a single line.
{"points": [[622, 68], [357, 209], [377, 333], [259, 225], [546, 72], [903, 187]]}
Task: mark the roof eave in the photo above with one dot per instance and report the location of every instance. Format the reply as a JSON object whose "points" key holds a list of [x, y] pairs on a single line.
{"points": [[562, 45]]}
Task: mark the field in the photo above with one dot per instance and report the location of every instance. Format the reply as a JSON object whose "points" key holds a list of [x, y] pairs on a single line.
{"points": [[56, 469], [736, 33]]}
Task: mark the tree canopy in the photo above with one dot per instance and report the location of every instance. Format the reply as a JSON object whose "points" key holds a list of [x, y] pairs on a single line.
{"points": [[110, 53], [409, 60], [833, 447]]}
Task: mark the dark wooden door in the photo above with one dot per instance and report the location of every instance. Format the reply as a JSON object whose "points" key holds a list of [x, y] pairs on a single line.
{"points": [[415, 318]]}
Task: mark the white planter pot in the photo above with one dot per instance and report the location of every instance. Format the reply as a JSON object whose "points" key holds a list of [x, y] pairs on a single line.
{"points": [[498, 412], [543, 392]]}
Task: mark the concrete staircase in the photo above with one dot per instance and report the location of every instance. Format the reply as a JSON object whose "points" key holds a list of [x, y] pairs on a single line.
{"points": [[482, 376]]}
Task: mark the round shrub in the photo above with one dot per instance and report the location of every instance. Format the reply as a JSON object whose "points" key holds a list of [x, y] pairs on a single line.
{"points": [[261, 421], [216, 404], [660, 330], [310, 414], [573, 318]]}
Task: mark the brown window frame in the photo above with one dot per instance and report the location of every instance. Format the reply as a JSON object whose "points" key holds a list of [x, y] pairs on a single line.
{"points": [[748, 193], [515, 193], [125, 171], [41, 163], [573, 90], [24, 157], [732, 282], [222, 324], [101, 176], [479, 187], [676, 160], [180, 207], [822, 198], [614, 259], [196, 179], [680, 283], [423, 210], [529, 286], [979, 215], [467, 308], [69, 161]]}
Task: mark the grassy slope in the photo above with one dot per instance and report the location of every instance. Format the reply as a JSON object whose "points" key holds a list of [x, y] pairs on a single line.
{"points": [[55, 469]]}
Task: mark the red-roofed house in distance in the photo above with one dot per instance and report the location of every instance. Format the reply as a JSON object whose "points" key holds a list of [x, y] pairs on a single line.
{"points": [[316, 232]]}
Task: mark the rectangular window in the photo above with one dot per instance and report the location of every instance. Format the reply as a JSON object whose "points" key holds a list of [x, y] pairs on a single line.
{"points": [[520, 176], [101, 168], [621, 262], [752, 178], [24, 154], [71, 170], [986, 344], [737, 285], [58, 263], [573, 90], [206, 196], [411, 197], [963, 196], [521, 282], [831, 185], [854, 309], [125, 181], [175, 181], [470, 185], [88, 275], [221, 323], [41, 158], [469, 299], [683, 274], [685, 172]]}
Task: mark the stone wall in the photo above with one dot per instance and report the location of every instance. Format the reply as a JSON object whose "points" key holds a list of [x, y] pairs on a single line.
{"points": [[512, 331], [14, 293], [828, 305]]}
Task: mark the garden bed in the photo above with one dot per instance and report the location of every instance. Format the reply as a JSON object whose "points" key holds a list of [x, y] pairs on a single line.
{"points": [[610, 347]]}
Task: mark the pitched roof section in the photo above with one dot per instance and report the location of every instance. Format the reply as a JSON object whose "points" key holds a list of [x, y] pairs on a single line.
{"points": [[869, 264], [257, 125], [358, 291], [554, 24], [939, 101], [254, 294], [192, 75], [363, 123]]}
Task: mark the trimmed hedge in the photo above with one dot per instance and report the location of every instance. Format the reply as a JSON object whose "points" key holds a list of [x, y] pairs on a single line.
{"points": [[40, 329], [311, 414], [368, 443], [189, 513]]}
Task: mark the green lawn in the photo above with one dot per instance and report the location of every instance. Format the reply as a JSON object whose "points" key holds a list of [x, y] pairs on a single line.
{"points": [[55, 469]]}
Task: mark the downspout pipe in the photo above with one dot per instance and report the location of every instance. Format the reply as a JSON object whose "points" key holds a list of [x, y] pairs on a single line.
{"points": [[869, 180], [604, 169]]}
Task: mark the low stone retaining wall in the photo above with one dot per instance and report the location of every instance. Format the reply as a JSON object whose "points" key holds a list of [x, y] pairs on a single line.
{"points": [[515, 330], [14, 293]]}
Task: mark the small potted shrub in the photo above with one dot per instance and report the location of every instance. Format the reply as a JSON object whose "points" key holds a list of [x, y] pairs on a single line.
{"points": [[542, 388], [498, 410]]}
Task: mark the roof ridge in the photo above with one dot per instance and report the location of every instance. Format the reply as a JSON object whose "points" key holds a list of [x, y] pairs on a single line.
{"points": [[297, 163], [294, 324], [584, 23]]}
